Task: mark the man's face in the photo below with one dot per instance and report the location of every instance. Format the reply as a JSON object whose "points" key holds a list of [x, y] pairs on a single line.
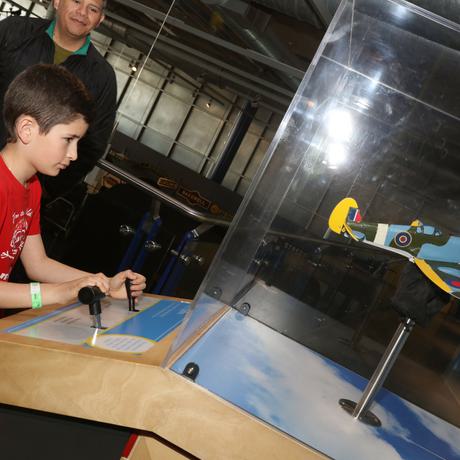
{"points": [[77, 18]]}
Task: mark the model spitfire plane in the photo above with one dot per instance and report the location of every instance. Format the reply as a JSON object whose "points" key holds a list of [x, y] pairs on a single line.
{"points": [[435, 253]]}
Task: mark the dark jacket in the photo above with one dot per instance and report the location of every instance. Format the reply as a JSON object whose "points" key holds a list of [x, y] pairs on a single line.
{"points": [[24, 42]]}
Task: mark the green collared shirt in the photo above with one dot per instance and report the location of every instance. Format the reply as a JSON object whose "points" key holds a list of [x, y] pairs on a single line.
{"points": [[62, 54]]}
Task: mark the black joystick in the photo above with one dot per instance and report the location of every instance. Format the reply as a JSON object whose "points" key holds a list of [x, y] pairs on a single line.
{"points": [[92, 296], [131, 304]]}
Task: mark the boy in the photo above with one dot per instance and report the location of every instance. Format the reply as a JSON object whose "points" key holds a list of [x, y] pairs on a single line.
{"points": [[47, 110]]}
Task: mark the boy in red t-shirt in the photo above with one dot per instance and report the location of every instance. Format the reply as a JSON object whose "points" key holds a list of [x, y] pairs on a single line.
{"points": [[47, 110]]}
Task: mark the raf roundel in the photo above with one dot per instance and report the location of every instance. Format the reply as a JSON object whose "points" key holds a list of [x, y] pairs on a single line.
{"points": [[403, 239]]}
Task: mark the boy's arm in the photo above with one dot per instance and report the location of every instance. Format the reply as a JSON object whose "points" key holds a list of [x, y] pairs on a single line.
{"points": [[62, 282], [18, 295], [39, 267], [14, 295]]}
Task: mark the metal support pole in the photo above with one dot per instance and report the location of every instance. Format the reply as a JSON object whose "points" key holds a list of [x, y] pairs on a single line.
{"points": [[174, 269], [154, 229], [360, 411], [130, 253], [240, 129]]}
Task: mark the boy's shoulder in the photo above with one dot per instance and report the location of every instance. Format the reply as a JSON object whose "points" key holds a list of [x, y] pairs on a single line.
{"points": [[8, 178]]}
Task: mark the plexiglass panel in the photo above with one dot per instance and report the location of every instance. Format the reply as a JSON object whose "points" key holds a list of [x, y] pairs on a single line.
{"points": [[376, 119]]}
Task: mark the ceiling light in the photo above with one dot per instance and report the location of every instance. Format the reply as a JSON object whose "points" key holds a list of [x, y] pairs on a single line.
{"points": [[133, 66]]}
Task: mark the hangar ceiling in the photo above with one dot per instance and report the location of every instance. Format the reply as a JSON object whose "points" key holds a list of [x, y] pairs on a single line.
{"points": [[259, 48]]}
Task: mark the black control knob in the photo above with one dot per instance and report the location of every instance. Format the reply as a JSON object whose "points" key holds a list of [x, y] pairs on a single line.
{"points": [[90, 294]]}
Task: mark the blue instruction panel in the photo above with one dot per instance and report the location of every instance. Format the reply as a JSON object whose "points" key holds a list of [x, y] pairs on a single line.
{"points": [[124, 330]]}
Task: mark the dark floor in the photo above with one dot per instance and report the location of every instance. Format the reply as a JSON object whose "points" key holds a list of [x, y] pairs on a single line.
{"points": [[32, 435]]}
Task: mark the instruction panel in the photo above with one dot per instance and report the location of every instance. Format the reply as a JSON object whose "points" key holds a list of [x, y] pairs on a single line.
{"points": [[123, 330]]}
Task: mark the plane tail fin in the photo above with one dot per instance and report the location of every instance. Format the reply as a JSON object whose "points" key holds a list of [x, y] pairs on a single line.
{"points": [[416, 223]]}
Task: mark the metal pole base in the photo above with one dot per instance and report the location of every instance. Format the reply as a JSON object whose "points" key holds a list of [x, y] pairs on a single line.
{"points": [[366, 416], [360, 410]]}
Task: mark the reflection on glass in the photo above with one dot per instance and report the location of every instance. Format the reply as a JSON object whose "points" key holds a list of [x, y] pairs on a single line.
{"points": [[336, 155], [339, 124]]}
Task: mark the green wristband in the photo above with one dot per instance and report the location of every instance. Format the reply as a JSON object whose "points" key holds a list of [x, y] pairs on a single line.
{"points": [[36, 295]]}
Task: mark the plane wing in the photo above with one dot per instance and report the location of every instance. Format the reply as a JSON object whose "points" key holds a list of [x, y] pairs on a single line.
{"points": [[445, 275]]}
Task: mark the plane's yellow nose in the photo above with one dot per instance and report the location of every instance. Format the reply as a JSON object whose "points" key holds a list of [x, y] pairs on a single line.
{"points": [[338, 217]]}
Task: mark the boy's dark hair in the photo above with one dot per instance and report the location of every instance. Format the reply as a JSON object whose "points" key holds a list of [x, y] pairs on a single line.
{"points": [[49, 93]]}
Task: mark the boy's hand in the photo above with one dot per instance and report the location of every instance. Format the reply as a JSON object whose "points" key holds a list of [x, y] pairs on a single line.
{"points": [[68, 291], [117, 288]]}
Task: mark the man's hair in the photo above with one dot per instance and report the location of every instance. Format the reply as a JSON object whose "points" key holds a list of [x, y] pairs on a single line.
{"points": [[50, 94], [104, 6]]}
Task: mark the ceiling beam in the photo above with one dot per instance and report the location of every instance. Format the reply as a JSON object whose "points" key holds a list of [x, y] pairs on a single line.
{"points": [[198, 54], [245, 52], [324, 10]]}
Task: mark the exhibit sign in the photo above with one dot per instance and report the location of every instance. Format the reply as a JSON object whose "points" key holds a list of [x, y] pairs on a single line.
{"points": [[123, 330]]}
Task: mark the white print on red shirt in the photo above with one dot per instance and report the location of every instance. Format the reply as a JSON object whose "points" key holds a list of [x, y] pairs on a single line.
{"points": [[20, 227]]}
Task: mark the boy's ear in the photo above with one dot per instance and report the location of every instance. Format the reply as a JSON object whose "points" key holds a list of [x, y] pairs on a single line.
{"points": [[26, 128]]}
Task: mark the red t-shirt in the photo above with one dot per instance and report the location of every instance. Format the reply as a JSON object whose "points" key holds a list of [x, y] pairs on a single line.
{"points": [[19, 217]]}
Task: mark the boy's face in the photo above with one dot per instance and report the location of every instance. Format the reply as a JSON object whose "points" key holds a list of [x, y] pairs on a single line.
{"points": [[77, 18], [53, 152]]}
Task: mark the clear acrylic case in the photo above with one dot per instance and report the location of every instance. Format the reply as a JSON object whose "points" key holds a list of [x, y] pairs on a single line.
{"points": [[376, 118]]}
